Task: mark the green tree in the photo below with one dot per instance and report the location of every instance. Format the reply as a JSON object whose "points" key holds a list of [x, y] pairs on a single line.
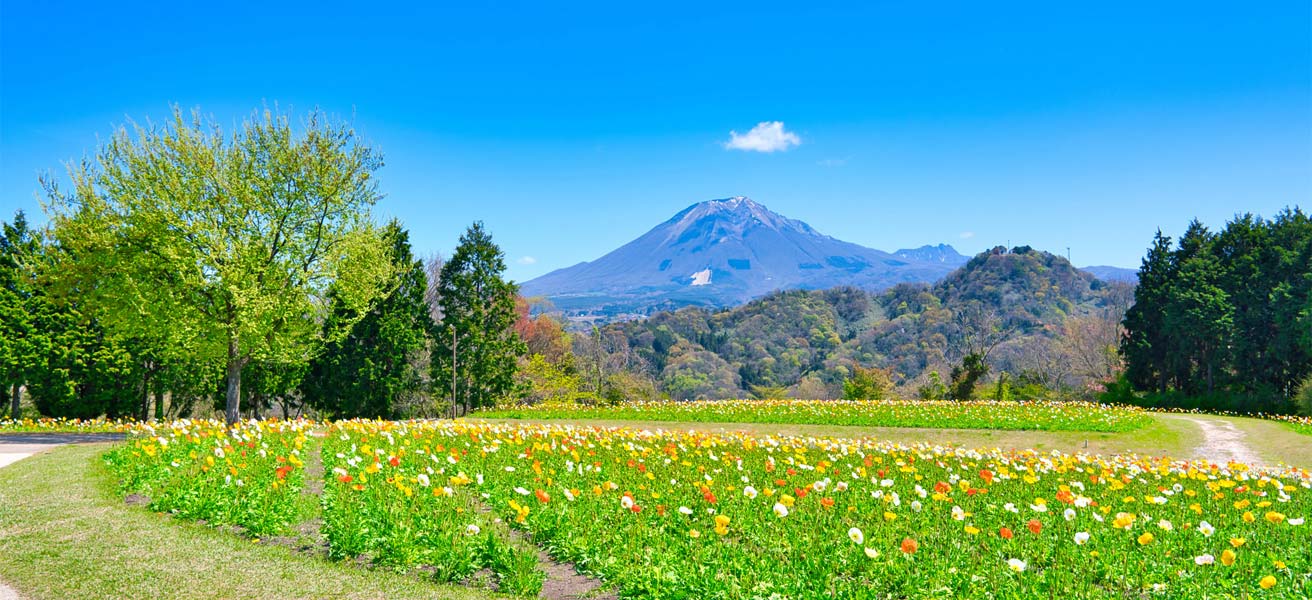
{"points": [[362, 374], [223, 246], [867, 384], [20, 341], [1146, 344], [966, 375], [476, 347]]}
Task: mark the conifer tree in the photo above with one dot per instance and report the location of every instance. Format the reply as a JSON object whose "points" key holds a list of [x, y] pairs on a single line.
{"points": [[476, 348]]}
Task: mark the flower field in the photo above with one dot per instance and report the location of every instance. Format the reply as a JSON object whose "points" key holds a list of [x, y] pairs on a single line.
{"points": [[47, 425], [665, 514], [981, 414], [1300, 424], [250, 476]]}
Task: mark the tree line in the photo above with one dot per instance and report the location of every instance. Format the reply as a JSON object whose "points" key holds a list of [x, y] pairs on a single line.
{"points": [[185, 267], [1223, 320]]}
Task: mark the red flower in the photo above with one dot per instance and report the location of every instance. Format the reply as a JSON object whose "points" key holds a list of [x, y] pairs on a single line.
{"points": [[1006, 533], [1035, 526], [394, 461], [942, 487], [345, 479]]}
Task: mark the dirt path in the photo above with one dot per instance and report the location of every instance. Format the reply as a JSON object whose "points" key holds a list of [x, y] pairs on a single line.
{"points": [[17, 446], [1222, 442]]}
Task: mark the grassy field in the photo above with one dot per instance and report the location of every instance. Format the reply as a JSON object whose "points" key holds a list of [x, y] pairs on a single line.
{"points": [[66, 533]]}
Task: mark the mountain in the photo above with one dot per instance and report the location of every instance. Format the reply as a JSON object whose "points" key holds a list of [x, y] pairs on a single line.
{"points": [[942, 253], [1107, 273], [725, 252]]}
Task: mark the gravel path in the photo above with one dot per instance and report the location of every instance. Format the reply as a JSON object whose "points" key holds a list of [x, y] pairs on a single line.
{"points": [[1222, 441], [17, 446]]}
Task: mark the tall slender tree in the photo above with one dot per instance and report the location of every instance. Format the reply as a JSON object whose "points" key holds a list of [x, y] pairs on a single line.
{"points": [[364, 373], [476, 348], [20, 340]]}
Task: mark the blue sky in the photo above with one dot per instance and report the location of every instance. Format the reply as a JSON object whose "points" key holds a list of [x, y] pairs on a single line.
{"points": [[570, 130]]}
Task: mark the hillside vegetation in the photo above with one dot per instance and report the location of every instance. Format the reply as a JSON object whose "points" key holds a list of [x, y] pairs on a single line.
{"points": [[1029, 313]]}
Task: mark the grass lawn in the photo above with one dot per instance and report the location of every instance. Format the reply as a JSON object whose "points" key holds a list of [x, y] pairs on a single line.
{"points": [[65, 534]]}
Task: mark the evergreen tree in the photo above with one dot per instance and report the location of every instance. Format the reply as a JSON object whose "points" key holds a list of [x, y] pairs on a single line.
{"points": [[20, 342], [363, 374], [476, 348], [1146, 342]]}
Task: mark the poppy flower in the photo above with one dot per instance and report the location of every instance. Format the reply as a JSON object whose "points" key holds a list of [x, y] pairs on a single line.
{"points": [[909, 546], [1035, 526], [1006, 533]]}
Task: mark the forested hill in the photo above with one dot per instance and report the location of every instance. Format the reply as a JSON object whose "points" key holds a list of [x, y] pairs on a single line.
{"points": [[1007, 304]]}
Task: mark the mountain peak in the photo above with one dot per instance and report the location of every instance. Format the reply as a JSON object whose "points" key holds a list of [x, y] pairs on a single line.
{"points": [[723, 252]]}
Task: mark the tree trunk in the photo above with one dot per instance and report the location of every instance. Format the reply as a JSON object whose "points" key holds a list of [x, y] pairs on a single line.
{"points": [[16, 402], [233, 406]]}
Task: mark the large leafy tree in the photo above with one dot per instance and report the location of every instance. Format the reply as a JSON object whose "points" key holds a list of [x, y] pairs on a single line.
{"points": [[364, 373], [223, 245], [476, 348]]}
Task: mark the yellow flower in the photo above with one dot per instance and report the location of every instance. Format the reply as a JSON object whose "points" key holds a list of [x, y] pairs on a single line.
{"points": [[1228, 557], [1248, 517], [786, 500], [694, 534], [1274, 517], [1237, 542], [888, 516], [1145, 539], [1267, 582], [972, 530]]}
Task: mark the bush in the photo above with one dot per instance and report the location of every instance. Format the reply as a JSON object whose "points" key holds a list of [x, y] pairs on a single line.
{"points": [[1303, 398], [867, 384]]}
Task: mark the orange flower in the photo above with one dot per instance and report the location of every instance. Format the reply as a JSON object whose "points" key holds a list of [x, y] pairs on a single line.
{"points": [[827, 502], [986, 475], [542, 496], [394, 461], [909, 546], [1006, 533], [1035, 526]]}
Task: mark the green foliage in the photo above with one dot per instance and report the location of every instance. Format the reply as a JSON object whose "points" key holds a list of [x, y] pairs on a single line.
{"points": [[1221, 321], [222, 246], [365, 373], [549, 382], [934, 389], [1303, 401], [478, 319], [21, 343], [966, 375], [867, 384]]}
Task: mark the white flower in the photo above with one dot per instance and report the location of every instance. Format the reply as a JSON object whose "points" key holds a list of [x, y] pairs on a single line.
{"points": [[886, 483], [780, 510], [1081, 538], [423, 480], [1206, 529], [1295, 522], [568, 494], [819, 486], [840, 486], [750, 492], [1039, 508], [1016, 564], [521, 491], [472, 529], [626, 502], [856, 536], [872, 553], [1009, 507], [958, 514], [1205, 559], [685, 510], [1069, 514], [915, 505], [1165, 525]]}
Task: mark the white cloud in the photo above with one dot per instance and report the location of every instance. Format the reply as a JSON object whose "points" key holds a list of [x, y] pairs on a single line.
{"points": [[965, 235], [767, 136], [527, 260]]}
